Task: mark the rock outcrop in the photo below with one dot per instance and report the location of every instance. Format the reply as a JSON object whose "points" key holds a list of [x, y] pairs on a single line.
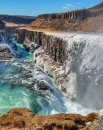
{"points": [[2, 25], [70, 16], [5, 53], [18, 119], [54, 46]]}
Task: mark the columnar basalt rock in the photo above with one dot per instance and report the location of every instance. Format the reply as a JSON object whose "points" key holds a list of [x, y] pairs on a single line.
{"points": [[55, 47], [20, 35], [50, 54], [70, 16]]}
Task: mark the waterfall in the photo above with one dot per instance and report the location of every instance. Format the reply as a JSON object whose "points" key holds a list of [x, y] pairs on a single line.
{"points": [[24, 84], [84, 69]]}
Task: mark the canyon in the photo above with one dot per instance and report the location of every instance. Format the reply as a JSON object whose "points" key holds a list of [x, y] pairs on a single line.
{"points": [[73, 59]]}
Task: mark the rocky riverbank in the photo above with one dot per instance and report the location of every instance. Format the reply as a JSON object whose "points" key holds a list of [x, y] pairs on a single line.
{"points": [[17, 119]]}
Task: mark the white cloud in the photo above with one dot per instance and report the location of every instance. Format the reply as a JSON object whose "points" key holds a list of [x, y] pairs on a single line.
{"points": [[68, 6]]}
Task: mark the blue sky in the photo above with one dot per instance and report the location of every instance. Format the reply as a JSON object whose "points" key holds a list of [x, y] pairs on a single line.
{"points": [[36, 7]]}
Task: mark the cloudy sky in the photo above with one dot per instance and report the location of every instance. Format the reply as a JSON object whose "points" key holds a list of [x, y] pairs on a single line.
{"points": [[36, 7]]}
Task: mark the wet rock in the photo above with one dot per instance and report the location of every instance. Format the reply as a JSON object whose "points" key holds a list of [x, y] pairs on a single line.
{"points": [[12, 84], [5, 53], [42, 86]]}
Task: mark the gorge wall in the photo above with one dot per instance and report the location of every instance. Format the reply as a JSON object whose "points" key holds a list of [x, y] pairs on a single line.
{"points": [[54, 46], [49, 52]]}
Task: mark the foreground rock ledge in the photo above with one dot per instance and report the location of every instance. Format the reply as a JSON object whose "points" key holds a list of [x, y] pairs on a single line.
{"points": [[24, 119]]}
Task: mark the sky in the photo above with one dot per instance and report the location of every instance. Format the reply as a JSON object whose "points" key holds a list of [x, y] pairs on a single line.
{"points": [[36, 7]]}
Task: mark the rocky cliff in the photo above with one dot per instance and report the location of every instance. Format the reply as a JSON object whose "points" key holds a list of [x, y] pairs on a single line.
{"points": [[54, 46], [86, 20], [70, 16]]}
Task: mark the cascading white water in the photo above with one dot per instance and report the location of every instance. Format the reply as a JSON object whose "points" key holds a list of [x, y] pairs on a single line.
{"points": [[84, 66], [83, 69]]}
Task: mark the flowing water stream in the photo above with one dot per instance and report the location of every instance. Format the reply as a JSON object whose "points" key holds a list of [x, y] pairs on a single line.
{"points": [[24, 84]]}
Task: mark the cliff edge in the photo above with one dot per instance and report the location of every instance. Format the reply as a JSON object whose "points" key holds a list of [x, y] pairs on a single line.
{"points": [[85, 20]]}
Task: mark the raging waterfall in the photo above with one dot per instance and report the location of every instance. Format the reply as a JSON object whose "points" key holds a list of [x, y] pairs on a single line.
{"points": [[24, 84], [84, 67]]}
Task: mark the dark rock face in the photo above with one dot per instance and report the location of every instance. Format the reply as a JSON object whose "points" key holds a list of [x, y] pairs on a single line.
{"points": [[53, 46], [10, 30], [21, 36], [2, 25], [70, 16]]}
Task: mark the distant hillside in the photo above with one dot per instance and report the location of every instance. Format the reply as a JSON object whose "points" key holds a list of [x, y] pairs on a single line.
{"points": [[85, 20], [18, 19]]}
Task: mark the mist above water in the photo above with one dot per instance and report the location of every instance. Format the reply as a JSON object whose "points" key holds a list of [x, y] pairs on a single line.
{"points": [[85, 63]]}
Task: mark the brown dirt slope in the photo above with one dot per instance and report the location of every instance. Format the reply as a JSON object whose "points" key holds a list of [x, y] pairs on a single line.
{"points": [[92, 21], [24, 119]]}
